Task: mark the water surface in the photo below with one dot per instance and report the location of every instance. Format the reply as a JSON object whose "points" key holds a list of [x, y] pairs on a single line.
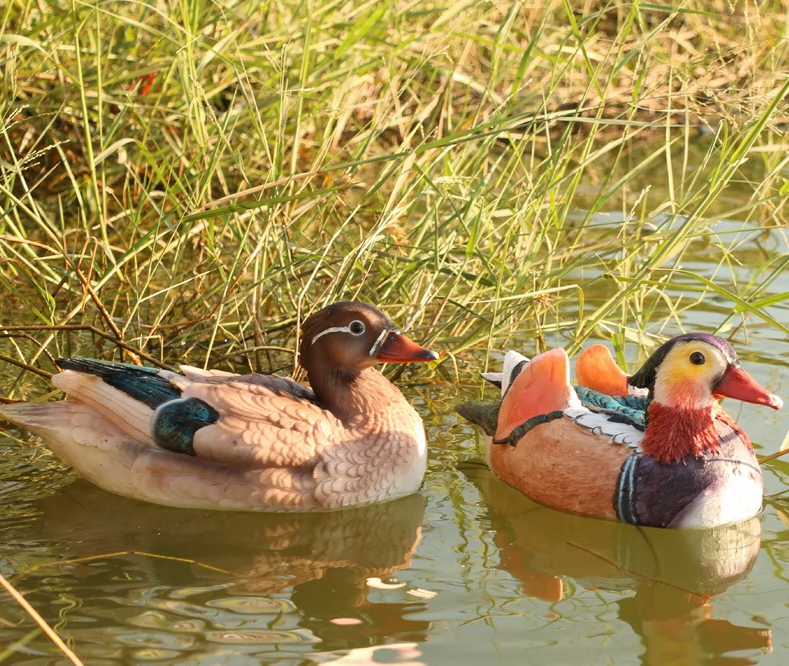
{"points": [[467, 571]]}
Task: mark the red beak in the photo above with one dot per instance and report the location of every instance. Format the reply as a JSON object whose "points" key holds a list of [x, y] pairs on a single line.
{"points": [[738, 384], [397, 348]]}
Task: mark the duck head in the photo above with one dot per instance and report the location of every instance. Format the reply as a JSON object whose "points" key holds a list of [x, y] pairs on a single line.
{"points": [[691, 371], [685, 377], [349, 337]]}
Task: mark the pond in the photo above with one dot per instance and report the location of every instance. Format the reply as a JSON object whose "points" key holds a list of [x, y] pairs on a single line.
{"points": [[466, 571]]}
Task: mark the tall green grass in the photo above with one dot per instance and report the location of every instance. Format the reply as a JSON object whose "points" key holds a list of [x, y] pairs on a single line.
{"points": [[191, 179]]}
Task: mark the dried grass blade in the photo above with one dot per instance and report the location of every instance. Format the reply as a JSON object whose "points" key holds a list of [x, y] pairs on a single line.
{"points": [[41, 622]]}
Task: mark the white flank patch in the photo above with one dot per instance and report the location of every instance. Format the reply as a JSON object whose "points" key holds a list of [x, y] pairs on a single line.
{"points": [[735, 498]]}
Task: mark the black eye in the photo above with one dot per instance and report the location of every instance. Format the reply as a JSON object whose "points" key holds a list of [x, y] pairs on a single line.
{"points": [[356, 327], [697, 358]]}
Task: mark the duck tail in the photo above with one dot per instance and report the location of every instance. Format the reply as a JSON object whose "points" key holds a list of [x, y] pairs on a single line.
{"points": [[109, 397], [81, 437], [481, 413], [38, 418]]}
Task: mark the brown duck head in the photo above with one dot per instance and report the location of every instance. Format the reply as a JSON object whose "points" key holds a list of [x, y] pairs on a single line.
{"points": [[344, 339]]}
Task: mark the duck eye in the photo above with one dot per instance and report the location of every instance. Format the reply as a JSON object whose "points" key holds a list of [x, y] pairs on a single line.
{"points": [[697, 358], [356, 327]]}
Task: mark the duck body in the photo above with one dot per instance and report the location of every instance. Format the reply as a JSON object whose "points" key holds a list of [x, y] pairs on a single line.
{"points": [[212, 439], [661, 453]]}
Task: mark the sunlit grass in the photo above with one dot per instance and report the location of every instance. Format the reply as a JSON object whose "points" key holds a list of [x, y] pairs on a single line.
{"points": [[193, 179]]}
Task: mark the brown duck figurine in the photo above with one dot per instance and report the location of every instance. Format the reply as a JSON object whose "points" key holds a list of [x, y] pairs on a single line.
{"points": [[212, 439]]}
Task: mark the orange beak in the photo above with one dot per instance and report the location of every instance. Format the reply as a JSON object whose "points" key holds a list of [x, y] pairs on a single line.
{"points": [[738, 384], [397, 348]]}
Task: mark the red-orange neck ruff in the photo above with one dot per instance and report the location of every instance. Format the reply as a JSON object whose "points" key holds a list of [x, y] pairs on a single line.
{"points": [[673, 432]]}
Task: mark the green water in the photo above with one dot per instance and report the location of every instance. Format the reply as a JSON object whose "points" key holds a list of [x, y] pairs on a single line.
{"points": [[467, 571]]}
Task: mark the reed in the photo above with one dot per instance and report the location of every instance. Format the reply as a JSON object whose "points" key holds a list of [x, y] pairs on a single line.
{"points": [[40, 621], [191, 180]]}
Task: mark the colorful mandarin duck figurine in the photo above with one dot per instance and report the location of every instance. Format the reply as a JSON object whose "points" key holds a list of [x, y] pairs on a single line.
{"points": [[216, 440], [656, 449]]}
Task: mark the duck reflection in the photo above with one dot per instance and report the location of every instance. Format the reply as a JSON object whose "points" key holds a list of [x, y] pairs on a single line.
{"points": [[674, 573], [320, 564]]}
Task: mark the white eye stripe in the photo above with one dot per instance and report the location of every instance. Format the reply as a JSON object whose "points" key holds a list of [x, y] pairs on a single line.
{"points": [[378, 342], [333, 329]]}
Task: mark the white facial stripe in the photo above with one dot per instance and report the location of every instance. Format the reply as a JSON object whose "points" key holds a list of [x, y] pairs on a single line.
{"points": [[333, 329], [378, 342], [697, 393]]}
